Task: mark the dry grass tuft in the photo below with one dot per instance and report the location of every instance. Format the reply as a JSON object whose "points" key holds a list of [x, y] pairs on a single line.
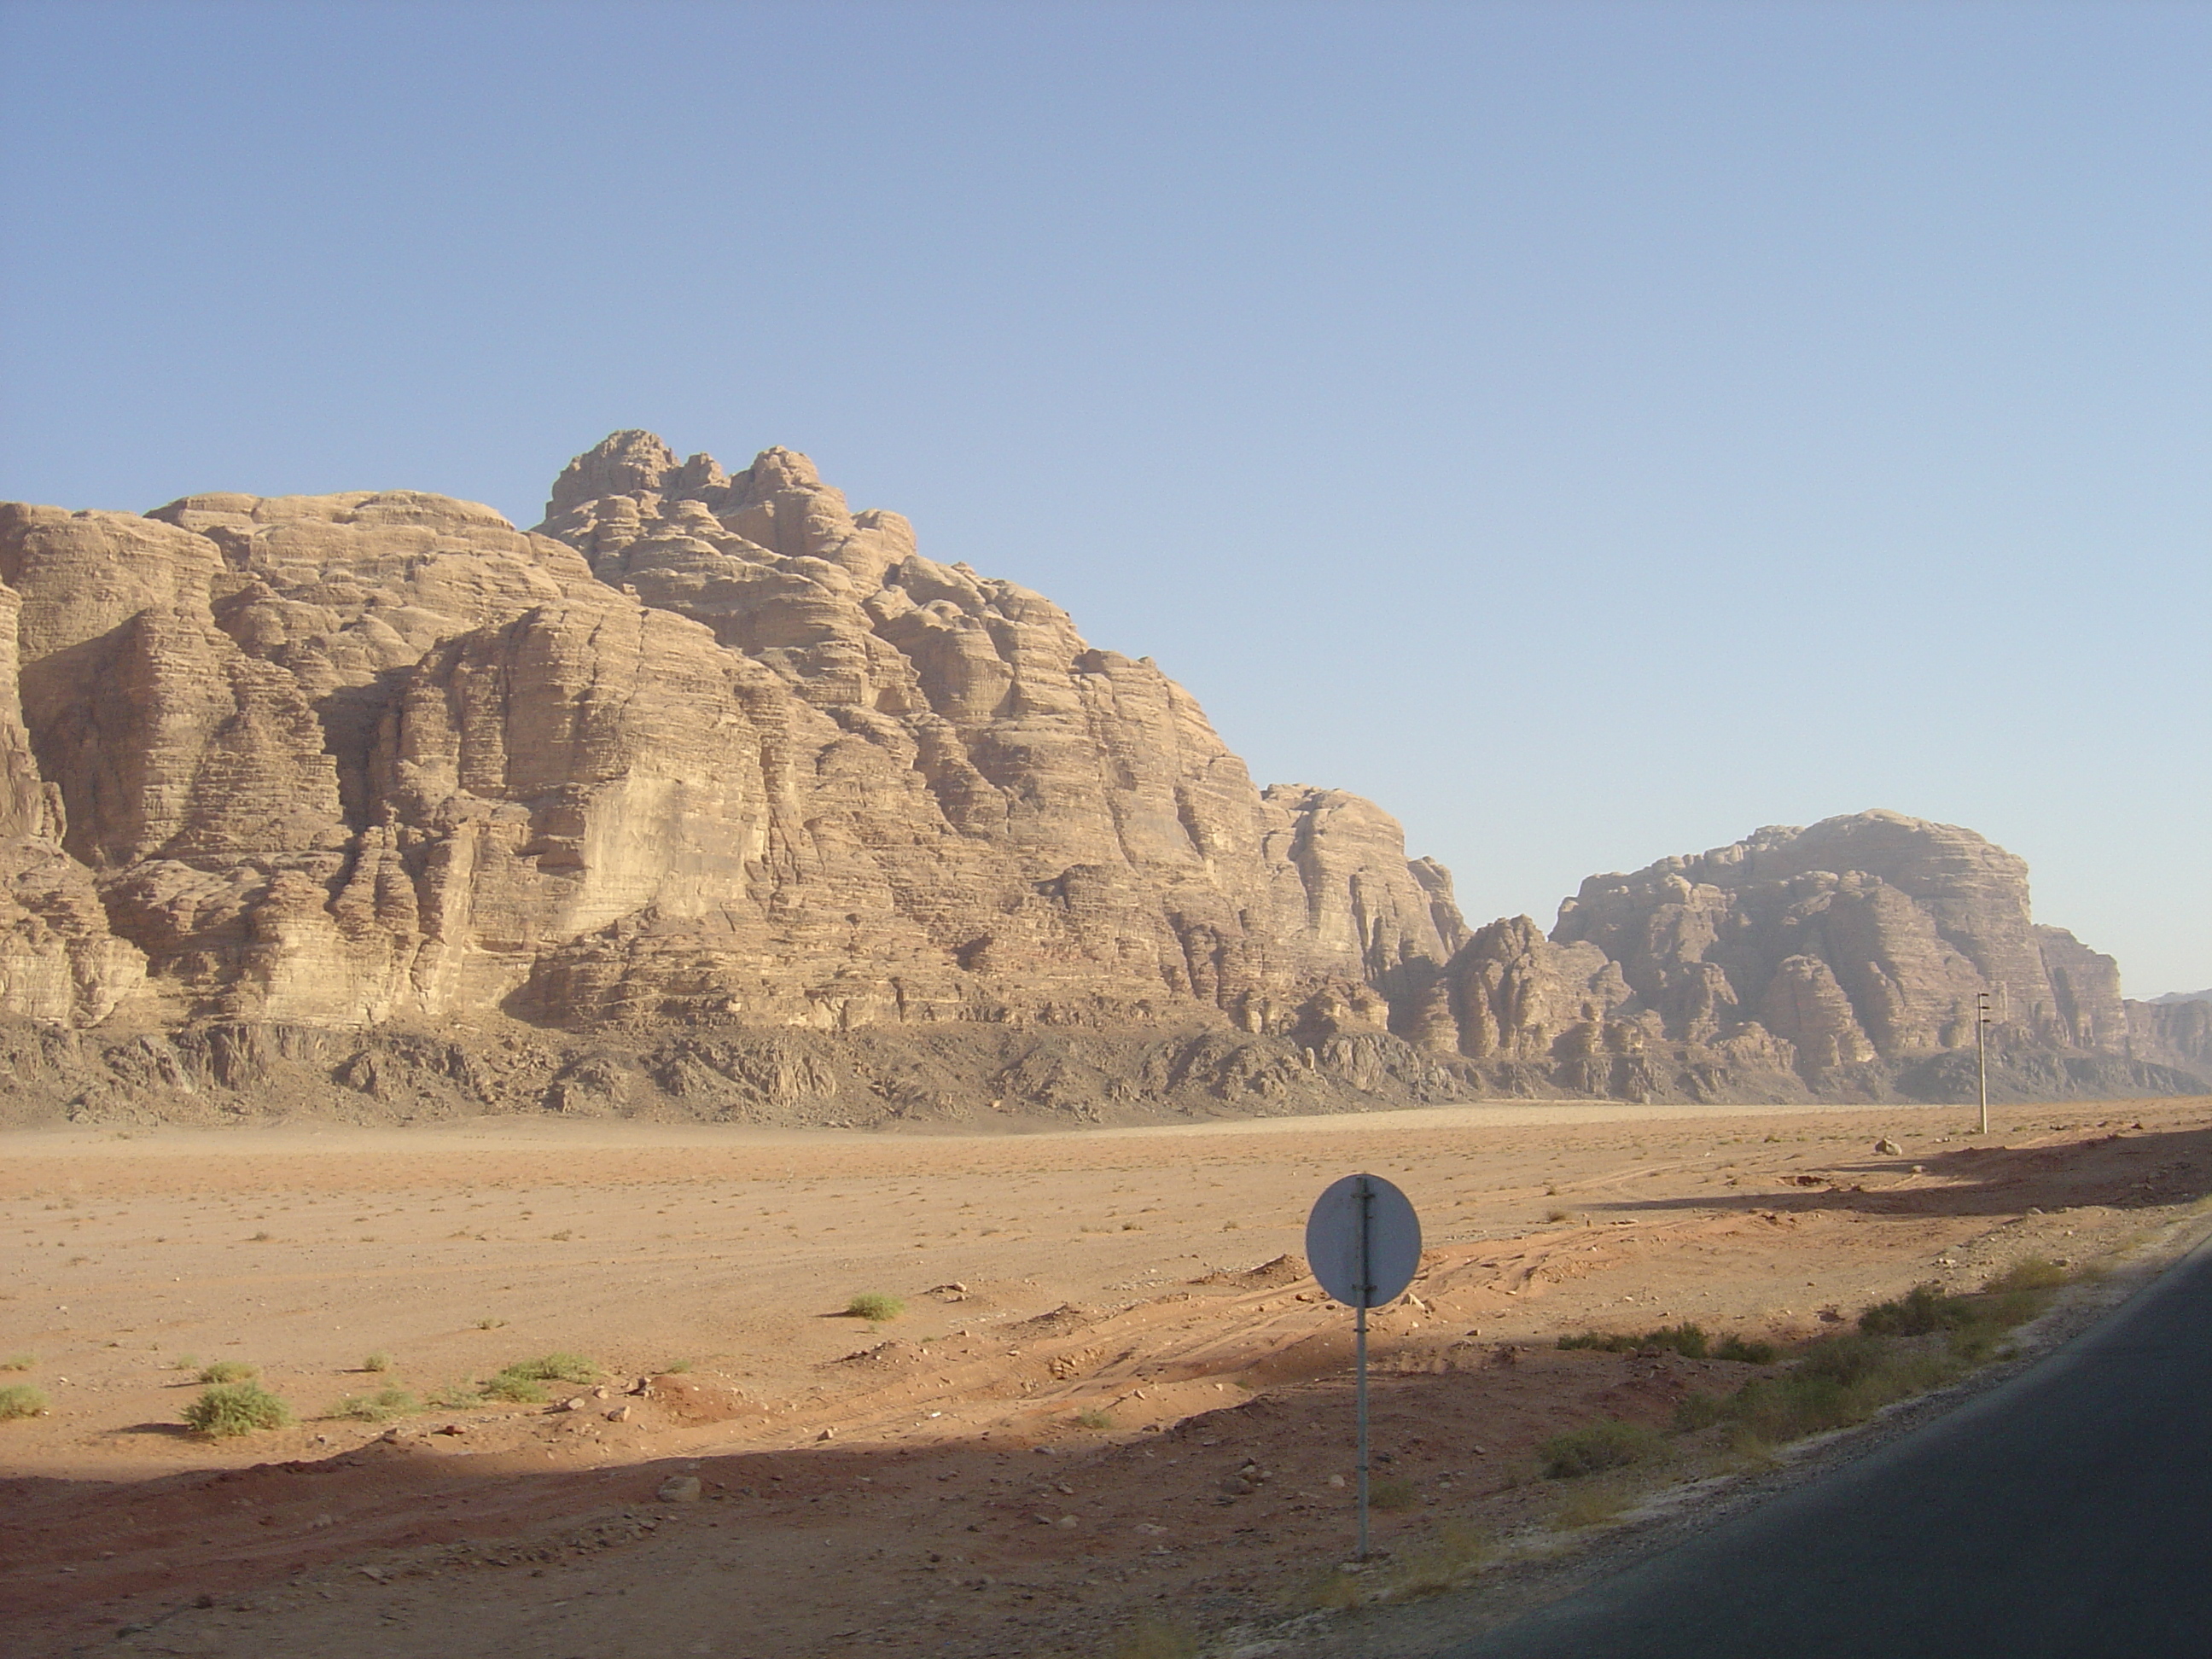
{"points": [[22, 1400], [1151, 1637]]}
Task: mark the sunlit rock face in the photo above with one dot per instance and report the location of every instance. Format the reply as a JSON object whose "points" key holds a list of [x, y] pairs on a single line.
{"points": [[701, 747], [1836, 952], [709, 749]]}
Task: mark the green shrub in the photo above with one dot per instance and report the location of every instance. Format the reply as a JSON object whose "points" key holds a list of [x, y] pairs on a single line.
{"points": [[1454, 1554], [1748, 1353], [1606, 1444], [1686, 1339], [378, 1408], [235, 1408], [1839, 1381], [1907, 1346], [379, 1361], [1588, 1504], [1152, 1638], [1094, 1419], [554, 1367], [229, 1370], [875, 1307], [1977, 1317], [515, 1390], [458, 1396], [1393, 1491], [21, 1399], [1920, 1311]]}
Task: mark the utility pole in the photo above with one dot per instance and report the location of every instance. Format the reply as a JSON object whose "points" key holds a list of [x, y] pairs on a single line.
{"points": [[1366, 1200], [1982, 1052]]}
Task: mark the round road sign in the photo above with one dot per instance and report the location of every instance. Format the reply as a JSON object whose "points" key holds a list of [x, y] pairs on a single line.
{"points": [[1364, 1242]]}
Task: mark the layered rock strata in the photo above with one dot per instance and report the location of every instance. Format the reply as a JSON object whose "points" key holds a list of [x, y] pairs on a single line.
{"points": [[702, 748], [296, 790], [1842, 959]]}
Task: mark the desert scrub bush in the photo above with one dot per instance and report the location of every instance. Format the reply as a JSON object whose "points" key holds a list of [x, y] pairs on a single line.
{"points": [[378, 1408], [1744, 1352], [1838, 1382], [1700, 1411], [1332, 1591], [554, 1367], [1921, 1341], [1687, 1340], [1393, 1492], [1456, 1553], [1609, 1444], [523, 1383], [235, 1408], [19, 1362], [229, 1370], [874, 1307], [1588, 1505], [514, 1390], [1092, 1417], [457, 1396], [22, 1400], [379, 1361], [1153, 1639]]}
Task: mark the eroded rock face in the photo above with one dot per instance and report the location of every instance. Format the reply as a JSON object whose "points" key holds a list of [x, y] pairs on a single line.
{"points": [[709, 747], [1838, 952], [710, 754]]}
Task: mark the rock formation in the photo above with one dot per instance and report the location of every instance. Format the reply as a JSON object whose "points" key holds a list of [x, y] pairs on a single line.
{"points": [[1838, 958], [702, 748], [321, 787]]}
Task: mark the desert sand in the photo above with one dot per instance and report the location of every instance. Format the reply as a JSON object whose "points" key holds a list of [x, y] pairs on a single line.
{"points": [[1113, 1392]]}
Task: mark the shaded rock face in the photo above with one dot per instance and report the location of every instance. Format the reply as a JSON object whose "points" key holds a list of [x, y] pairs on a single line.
{"points": [[1829, 957], [703, 747], [2172, 1033]]}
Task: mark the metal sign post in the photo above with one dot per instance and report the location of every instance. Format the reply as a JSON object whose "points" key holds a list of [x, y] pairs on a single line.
{"points": [[1364, 1244]]}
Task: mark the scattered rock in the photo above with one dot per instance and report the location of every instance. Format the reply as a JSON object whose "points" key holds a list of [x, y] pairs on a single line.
{"points": [[678, 1489], [1888, 1148]]}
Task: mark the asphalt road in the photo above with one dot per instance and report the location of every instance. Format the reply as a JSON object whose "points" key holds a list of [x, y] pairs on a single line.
{"points": [[2068, 1512]]}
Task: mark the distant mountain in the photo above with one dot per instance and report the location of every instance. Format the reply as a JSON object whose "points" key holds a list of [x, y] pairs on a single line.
{"points": [[1842, 961], [2180, 996], [712, 798]]}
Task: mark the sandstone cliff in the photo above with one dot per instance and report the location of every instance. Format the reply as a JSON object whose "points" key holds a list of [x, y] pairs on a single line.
{"points": [[1842, 960], [711, 795], [704, 749]]}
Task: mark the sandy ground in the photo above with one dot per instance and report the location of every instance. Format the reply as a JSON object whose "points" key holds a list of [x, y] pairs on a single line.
{"points": [[1102, 1403]]}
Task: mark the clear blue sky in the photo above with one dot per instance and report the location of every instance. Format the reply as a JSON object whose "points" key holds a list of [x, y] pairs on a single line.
{"points": [[1591, 430]]}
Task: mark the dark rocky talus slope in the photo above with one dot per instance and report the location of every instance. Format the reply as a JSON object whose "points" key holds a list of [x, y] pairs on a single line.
{"points": [[711, 797]]}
